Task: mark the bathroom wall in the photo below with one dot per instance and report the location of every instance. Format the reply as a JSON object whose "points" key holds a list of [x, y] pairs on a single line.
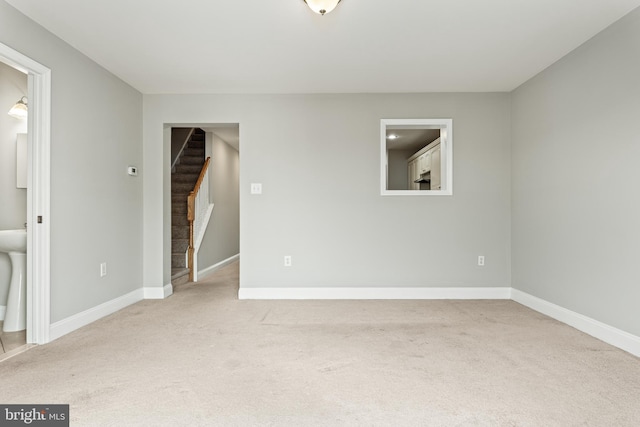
{"points": [[13, 86]]}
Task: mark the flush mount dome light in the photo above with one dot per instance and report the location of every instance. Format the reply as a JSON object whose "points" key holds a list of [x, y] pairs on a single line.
{"points": [[322, 6], [19, 110]]}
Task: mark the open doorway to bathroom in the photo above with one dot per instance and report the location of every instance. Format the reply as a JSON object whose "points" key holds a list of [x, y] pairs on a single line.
{"points": [[13, 215], [34, 304]]}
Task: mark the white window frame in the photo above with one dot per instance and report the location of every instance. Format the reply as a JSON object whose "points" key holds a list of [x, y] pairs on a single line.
{"points": [[446, 150]]}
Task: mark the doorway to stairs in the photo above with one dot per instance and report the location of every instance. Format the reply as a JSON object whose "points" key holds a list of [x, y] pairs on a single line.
{"points": [[187, 163], [205, 213]]}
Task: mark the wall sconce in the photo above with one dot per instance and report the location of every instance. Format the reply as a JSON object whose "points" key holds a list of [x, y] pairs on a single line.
{"points": [[19, 110], [322, 6]]}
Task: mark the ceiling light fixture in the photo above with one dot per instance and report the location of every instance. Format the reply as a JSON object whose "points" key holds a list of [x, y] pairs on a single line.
{"points": [[19, 110], [322, 6], [393, 136]]}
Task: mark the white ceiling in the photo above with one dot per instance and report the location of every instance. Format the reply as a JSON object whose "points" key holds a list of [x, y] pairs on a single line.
{"points": [[410, 139], [280, 46]]}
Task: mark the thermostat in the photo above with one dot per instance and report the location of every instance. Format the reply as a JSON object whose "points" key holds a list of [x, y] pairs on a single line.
{"points": [[132, 170]]}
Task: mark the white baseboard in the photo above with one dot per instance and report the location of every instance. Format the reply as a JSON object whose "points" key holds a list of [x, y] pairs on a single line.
{"points": [[211, 269], [70, 324], [3, 310], [79, 320], [374, 293], [158, 293], [602, 331]]}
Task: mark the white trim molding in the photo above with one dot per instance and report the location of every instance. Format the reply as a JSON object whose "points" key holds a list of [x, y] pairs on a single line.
{"points": [[71, 323], [616, 337], [374, 293], [602, 331], [218, 266], [86, 317], [446, 153], [613, 336], [158, 293]]}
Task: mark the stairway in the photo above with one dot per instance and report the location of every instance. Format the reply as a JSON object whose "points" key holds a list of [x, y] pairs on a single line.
{"points": [[183, 179]]}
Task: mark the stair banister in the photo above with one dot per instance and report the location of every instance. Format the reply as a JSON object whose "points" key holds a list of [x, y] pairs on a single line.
{"points": [[197, 206]]}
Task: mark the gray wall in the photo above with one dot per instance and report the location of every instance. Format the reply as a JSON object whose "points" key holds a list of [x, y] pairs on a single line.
{"points": [[546, 175], [13, 86], [222, 237], [317, 157], [178, 138], [96, 208], [575, 147], [576, 204], [398, 170]]}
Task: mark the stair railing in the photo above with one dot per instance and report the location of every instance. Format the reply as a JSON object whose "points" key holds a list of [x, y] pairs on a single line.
{"points": [[197, 206]]}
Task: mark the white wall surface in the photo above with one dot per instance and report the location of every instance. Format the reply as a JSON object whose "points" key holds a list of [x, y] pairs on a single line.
{"points": [[222, 237], [13, 214], [96, 208], [576, 203], [317, 157]]}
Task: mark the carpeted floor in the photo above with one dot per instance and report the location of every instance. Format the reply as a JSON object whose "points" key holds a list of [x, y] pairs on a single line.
{"points": [[10, 341], [203, 358]]}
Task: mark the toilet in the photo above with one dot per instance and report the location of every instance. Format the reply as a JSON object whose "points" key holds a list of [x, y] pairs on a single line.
{"points": [[14, 243], [15, 317]]}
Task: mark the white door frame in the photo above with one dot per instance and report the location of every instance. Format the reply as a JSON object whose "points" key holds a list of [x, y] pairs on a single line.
{"points": [[38, 193]]}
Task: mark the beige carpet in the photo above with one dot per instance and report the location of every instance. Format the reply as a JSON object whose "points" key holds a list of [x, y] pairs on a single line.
{"points": [[10, 341], [203, 358]]}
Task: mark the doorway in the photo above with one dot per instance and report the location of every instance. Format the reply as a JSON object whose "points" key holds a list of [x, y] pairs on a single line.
{"points": [[38, 192], [218, 243], [13, 215]]}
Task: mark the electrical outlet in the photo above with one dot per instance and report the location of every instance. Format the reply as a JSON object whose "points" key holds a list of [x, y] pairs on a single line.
{"points": [[103, 269], [481, 260], [287, 260], [256, 188]]}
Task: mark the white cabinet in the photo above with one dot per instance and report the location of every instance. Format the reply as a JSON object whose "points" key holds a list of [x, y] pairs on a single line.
{"points": [[436, 166], [414, 174], [424, 162], [425, 166], [411, 168]]}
